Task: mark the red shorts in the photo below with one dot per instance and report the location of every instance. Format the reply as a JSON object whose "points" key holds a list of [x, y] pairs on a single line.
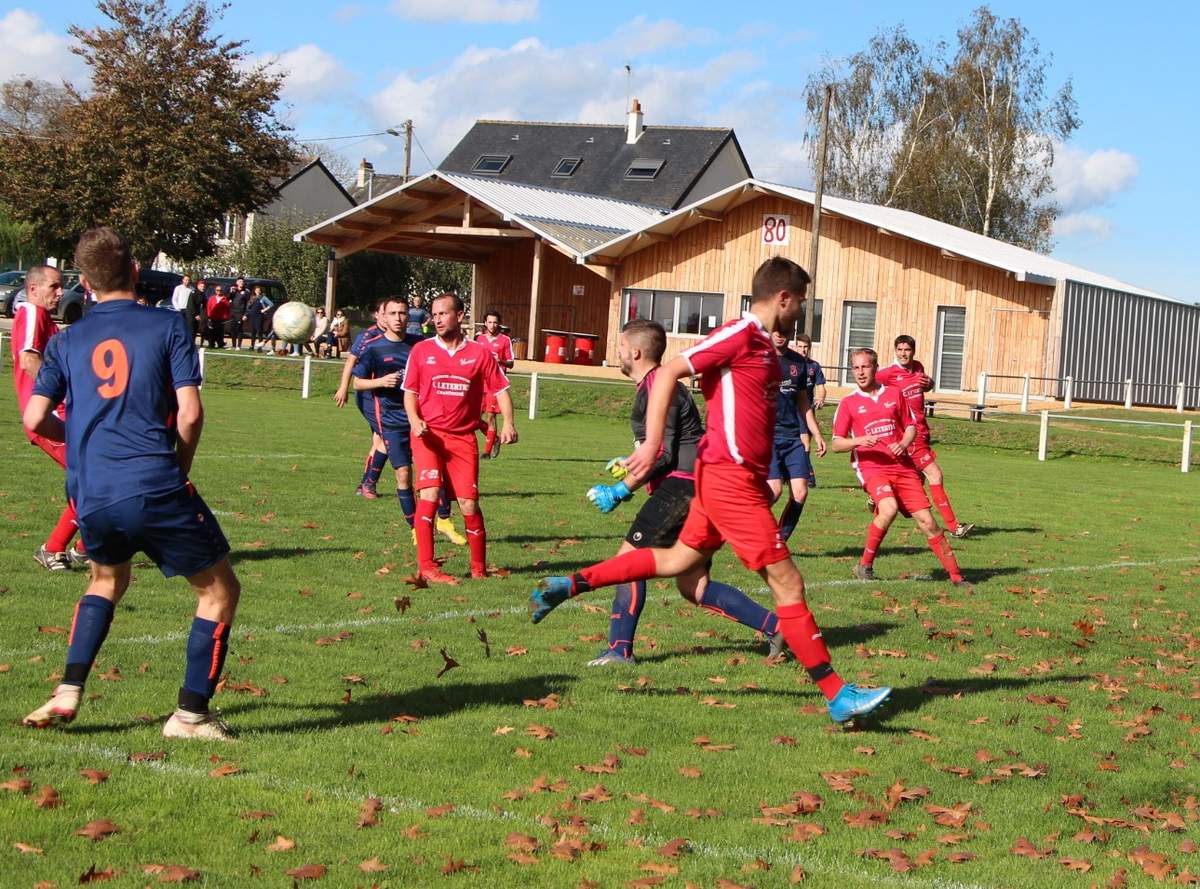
{"points": [[733, 506], [921, 453], [56, 449], [447, 458], [902, 484], [490, 403]]}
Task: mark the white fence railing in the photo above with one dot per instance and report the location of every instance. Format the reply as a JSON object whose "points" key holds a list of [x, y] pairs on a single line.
{"points": [[1185, 460]]}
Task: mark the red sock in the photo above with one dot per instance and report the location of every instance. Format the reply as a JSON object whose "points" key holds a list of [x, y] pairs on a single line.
{"points": [[942, 502], [637, 564], [941, 548], [875, 536], [477, 538], [60, 537], [489, 439], [803, 636], [426, 510]]}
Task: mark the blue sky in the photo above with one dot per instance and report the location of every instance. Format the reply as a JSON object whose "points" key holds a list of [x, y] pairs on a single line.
{"points": [[1126, 179]]}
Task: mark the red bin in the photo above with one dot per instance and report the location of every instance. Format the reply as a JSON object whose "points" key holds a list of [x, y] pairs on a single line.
{"points": [[585, 349], [556, 348]]}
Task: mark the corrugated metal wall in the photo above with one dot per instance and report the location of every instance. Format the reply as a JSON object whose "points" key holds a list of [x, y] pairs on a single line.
{"points": [[1109, 336]]}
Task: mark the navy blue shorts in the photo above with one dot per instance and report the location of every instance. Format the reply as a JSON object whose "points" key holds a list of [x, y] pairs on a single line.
{"points": [[790, 460], [399, 447], [177, 530]]}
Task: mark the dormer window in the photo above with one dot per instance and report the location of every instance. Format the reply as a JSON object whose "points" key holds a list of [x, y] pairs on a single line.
{"points": [[491, 164], [566, 167], [643, 169]]}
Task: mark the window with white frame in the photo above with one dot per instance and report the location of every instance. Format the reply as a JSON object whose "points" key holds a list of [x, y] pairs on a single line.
{"points": [[818, 311], [680, 313]]}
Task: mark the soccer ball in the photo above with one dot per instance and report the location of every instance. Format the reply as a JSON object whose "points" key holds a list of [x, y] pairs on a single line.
{"points": [[294, 322]]}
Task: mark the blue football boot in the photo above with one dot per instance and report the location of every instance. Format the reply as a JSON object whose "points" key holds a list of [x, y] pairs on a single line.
{"points": [[549, 594], [854, 701]]}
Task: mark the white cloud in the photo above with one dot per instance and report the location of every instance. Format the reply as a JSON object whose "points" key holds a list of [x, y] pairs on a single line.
{"points": [[1083, 180], [309, 73], [1087, 224], [532, 81], [31, 50], [640, 36], [477, 11]]}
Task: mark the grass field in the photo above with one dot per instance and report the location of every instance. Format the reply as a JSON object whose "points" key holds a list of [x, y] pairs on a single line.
{"points": [[1044, 729]]}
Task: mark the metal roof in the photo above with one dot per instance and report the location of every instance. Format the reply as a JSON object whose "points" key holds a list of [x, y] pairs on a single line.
{"points": [[1026, 265]]}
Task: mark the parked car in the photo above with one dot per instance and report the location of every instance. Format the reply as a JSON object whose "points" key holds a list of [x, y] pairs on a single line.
{"points": [[153, 285], [10, 283], [272, 289]]}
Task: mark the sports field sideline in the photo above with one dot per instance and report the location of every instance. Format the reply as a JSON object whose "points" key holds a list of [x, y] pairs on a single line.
{"points": [[1042, 730]]}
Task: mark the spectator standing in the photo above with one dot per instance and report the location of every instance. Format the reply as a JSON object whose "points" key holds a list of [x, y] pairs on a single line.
{"points": [[200, 326], [239, 297], [256, 310], [181, 294], [218, 314], [418, 317]]}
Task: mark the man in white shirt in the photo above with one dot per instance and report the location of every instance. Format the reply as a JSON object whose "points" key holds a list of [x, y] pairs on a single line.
{"points": [[181, 294]]}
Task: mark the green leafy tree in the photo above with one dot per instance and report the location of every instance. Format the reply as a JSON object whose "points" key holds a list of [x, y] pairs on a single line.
{"points": [[18, 243], [270, 252], [967, 136], [177, 130]]}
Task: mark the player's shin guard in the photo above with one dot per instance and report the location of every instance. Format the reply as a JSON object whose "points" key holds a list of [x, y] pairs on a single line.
{"points": [[799, 628], [426, 509], [875, 536], [443, 504], [726, 601], [375, 464], [89, 627], [208, 643], [477, 538], [60, 537], [637, 564], [789, 518], [408, 505], [626, 609], [941, 548], [942, 502]]}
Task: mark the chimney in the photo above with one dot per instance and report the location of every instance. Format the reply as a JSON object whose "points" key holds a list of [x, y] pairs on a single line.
{"points": [[365, 173], [634, 128]]}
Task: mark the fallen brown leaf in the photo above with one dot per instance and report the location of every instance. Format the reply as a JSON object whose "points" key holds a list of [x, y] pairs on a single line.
{"points": [[372, 866], [94, 776], [97, 830], [307, 872], [282, 844]]}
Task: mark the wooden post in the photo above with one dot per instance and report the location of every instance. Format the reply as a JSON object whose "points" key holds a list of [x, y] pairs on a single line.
{"points": [[1179, 397], [304, 383], [331, 276], [535, 291], [407, 148], [819, 191], [533, 395], [1068, 392], [200, 356], [1129, 393], [1025, 395], [1043, 435], [1186, 463]]}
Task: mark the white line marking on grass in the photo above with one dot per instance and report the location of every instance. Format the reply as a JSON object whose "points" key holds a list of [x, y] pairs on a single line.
{"points": [[812, 861]]}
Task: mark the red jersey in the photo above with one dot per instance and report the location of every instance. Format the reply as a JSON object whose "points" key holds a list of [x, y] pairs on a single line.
{"points": [[31, 331], [450, 385], [501, 347], [882, 413], [217, 308], [908, 381], [740, 381]]}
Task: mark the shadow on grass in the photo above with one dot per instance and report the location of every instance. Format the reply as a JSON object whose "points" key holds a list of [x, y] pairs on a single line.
{"points": [[427, 702], [546, 538], [978, 531], [282, 552], [834, 637], [913, 698]]}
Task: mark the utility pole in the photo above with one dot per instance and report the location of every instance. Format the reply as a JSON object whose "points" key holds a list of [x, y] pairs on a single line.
{"points": [[407, 148], [819, 189]]}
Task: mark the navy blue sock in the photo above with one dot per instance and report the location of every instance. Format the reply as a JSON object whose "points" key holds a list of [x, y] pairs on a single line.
{"points": [[408, 505], [375, 467], [627, 607], [89, 627], [789, 518], [208, 643], [722, 599], [443, 504]]}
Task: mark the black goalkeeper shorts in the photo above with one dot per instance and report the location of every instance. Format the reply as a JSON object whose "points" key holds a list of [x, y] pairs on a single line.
{"points": [[661, 517]]}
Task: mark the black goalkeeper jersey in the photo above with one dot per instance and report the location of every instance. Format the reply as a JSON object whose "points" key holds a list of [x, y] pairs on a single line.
{"points": [[683, 431]]}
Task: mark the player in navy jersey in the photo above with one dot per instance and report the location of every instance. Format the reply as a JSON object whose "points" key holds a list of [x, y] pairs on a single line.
{"points": [[378, 376], [377, 455], [131, 377], [794, 421], [671, 485]]}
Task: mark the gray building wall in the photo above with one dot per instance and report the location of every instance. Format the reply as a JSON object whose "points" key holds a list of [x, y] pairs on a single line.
{"points": [[1109, 336]]}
